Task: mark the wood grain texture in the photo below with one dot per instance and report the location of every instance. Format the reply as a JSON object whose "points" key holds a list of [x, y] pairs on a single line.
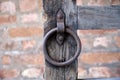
{"points": [[99, 17], [68, 49]]}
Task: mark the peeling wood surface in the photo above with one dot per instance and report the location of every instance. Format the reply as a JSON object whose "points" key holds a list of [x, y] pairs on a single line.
{"points": [[99, 17], [68, 49]]}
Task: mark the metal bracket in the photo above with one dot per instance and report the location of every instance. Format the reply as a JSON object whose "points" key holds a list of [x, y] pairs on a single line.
{"points": [[60, 26], [61, 29]]}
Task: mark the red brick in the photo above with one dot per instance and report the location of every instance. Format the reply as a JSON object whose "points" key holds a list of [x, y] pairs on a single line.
{"points": [[29, 59], [115, 2], [96, 32], [28, 5], [102, 2], [82, 73], [79, 2], [92, 2], [99, 72], [10, 45], [28, 18], [28, 44], [117, 40], [9, 73], [86, 42], [98, 2], [7, 19], [25, 32], [6, 59], [8, 6], [32, 73], [117, 72], [102, 41], [99, 58]]}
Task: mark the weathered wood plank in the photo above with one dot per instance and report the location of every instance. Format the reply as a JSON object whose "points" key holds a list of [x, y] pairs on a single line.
{"points": [[98, 17], [70, 9], [65, 51]]}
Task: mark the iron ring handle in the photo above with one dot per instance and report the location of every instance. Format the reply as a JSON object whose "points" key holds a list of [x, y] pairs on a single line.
{"points": [[55, 63]]}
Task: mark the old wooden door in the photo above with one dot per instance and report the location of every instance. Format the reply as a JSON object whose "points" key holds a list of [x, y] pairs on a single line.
{"points": [[76, 17]]}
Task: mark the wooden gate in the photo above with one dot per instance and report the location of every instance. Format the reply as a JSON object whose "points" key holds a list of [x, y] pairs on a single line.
{"points": [[73, 18]]}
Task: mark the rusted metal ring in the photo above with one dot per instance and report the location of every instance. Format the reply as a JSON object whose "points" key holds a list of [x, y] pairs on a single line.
{"points": [[55, 63]]}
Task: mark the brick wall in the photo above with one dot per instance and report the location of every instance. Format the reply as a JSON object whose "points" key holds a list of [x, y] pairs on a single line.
{"points": [[21, 32], [100, 55]]}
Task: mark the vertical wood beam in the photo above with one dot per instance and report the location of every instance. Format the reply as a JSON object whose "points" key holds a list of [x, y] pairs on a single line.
{"points": [[66, 50]]}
